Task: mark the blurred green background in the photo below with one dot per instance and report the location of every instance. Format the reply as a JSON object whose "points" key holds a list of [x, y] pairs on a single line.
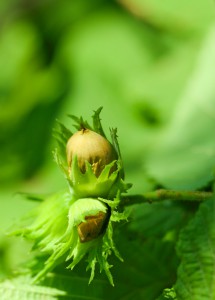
{"points": [[149, 63]]}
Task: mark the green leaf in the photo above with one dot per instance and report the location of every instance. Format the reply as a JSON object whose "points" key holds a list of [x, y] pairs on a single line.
{"points": [[161, 220], [184, 155], [21, 288], [196, 276], [148, 250], [61, 286]]}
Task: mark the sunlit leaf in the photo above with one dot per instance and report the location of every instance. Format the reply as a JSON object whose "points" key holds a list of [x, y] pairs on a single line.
{"points": [[184, 155]]}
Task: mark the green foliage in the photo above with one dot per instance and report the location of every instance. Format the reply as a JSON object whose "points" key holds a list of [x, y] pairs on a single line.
{"points": [[22, 289], [150, 64], [57, 286], [183, 157], [29, 92]]}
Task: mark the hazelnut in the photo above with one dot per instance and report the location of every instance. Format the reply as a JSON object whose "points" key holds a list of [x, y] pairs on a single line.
{"points": [[90, 146]]}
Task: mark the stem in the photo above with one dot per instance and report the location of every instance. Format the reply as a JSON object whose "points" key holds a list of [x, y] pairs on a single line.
{"points": [[161, 195]]}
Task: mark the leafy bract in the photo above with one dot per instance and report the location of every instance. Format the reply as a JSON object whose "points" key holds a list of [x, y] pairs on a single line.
{"points": [[146, 244], [168, 294], [184, 155], [58, 238], [21, 288], [196, 275]]}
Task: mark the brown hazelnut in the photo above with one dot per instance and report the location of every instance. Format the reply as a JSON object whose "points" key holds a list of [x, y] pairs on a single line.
{"points": [[90, 146]]}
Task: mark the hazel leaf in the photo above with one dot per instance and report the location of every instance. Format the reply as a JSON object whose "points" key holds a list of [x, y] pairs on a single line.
{"points": [[196, 277]]}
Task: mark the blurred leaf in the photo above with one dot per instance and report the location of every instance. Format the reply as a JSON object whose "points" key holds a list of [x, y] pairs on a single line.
{"points": [[175, 16], [14, 58], [155, 96], [184, 155], [30, 96], [12, 251]]}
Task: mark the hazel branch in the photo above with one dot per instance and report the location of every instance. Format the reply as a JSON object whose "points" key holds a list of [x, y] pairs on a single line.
{"points": [[162, 194]]}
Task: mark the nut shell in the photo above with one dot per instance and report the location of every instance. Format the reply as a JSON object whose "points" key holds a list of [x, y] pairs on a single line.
{"points": [[90, 146], [92, 227]]}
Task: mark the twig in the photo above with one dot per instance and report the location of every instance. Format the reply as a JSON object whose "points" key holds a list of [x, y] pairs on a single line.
{"points": [[160, 195]]}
